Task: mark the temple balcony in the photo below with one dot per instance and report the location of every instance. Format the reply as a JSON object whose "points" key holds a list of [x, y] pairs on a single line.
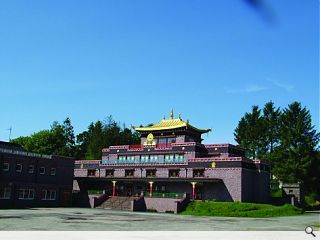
{"points": [[155, 173], [143, 161], [160, 146]]}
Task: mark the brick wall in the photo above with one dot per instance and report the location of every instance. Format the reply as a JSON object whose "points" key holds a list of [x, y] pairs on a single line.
{"points": [[231, 178]]}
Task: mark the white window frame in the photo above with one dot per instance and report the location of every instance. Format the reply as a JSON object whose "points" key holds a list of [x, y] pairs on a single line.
{"points": [[44, 170], [19, 170], [26, 194], [6, 193], [154, 157], [7, 168], [179, 156], [54, 171], [49, 195], [32, 169]]}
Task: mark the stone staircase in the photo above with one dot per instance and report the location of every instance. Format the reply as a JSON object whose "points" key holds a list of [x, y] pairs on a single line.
{"points": [[117, 202]]}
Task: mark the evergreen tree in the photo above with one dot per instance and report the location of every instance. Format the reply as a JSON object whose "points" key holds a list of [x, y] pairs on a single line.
{"points": [[68, 132], [296, 157], [286, 139], [248, 133], [95, 141], [271, 117]]}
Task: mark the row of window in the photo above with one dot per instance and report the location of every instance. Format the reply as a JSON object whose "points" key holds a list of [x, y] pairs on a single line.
{"points": [[31, 169], [150, 173], [151, 157], [168, 158], [28, 194], [165, 140], [138, 161]]}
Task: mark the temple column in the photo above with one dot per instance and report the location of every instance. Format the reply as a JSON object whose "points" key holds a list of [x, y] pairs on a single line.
{"points": [[193, 190], [151, 188], [114, 188]]}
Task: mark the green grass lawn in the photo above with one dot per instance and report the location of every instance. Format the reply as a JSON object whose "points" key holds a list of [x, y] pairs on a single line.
{"points": [[238, 209]]}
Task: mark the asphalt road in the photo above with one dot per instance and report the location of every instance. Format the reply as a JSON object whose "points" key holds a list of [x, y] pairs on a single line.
{"points": [[106, 220]]}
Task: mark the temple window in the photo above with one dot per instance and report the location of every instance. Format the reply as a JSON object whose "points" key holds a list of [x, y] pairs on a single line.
{"points": [[109, 173], [198, 173], [153, 158], [174, 172], [151, 172], [129, 172], [130, 159], [144, 158], [162, 141], [169, 158], [91, 172], [122, 159], [179, 156]]}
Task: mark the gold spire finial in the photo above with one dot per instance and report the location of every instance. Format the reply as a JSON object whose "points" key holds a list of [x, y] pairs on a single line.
{"points": [[171, 114]]}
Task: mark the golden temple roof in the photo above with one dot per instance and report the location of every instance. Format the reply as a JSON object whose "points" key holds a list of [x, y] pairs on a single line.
{"points": [[168, 124]]}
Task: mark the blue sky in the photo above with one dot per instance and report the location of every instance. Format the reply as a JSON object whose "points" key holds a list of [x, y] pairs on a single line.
{"points": [[208, 60]]}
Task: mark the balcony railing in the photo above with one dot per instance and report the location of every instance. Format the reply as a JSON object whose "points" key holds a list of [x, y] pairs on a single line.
{"points": [[164, 145], [136, 146], [143, 161], [160, 145], [165, 195]]}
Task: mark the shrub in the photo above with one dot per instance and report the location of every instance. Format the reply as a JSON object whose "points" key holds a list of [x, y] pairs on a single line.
{"points": [[238, 209]]}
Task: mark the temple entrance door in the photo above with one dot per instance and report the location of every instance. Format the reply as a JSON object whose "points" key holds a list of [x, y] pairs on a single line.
{"points": [[128, 189], [199, 191]]}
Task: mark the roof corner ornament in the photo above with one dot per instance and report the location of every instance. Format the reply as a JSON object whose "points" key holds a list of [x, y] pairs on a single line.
{"points": [[171, 114], [164, 116], [180, 116]]}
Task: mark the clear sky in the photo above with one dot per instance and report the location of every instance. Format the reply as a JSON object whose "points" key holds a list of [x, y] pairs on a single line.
{"points": [[208, 60]]}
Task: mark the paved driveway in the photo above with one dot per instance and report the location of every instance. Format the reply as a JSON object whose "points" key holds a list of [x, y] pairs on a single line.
{"points": [[103, 219]]}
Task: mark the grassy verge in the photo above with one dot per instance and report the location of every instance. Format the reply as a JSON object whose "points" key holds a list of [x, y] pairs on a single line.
{"points": [[238, 209]]}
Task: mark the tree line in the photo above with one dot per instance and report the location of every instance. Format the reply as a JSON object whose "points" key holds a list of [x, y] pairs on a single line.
{"points": [[286, 139], [60, 139]]}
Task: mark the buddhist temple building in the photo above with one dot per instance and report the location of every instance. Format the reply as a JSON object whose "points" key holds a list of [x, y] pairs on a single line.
{"points": [[172, 161]]}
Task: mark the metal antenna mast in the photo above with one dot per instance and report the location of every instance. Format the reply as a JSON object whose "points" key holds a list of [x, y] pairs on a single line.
{"points": [[10, 130]]}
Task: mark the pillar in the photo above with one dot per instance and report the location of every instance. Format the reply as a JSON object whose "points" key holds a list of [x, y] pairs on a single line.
{"points": [[151, 189], [114, 188], [193, 189]]}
